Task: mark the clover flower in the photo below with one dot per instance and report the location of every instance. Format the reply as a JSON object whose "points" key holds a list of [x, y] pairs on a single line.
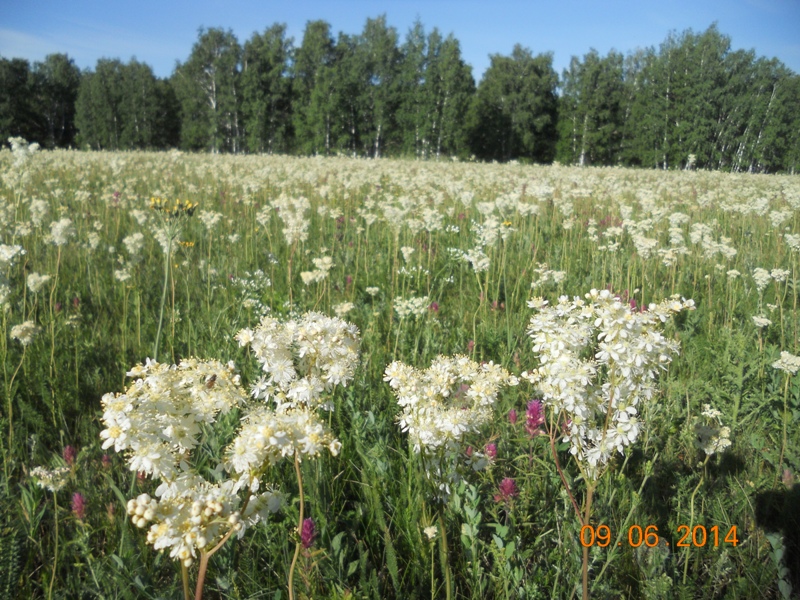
{"points": [[534, 418], [507, 491], [79, 506], [308, 533], [624, 345]]}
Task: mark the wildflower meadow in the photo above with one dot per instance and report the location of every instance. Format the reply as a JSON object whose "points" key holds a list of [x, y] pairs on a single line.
{"points": [[274, 377]]}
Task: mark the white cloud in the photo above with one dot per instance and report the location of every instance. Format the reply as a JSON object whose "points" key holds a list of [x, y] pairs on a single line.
{"points": [[16, 44]]}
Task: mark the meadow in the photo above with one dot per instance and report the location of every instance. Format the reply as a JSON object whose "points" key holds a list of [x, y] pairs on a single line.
{"points": [[113, 260]]}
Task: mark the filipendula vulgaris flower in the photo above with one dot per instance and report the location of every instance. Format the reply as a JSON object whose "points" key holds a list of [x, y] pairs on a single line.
{"points": [[157, 422], [303, 361], [441, 405], [710, 435], [598, 359]]}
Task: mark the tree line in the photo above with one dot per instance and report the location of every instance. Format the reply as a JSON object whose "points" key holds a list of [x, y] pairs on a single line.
{"points": [[692, 103]]}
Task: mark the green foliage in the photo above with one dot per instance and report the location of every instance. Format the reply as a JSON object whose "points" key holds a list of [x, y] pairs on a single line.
{"points": [[515, 108], [372, 504]]}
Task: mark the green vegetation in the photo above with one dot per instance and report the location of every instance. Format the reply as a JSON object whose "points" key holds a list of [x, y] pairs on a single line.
{"points": [[693, 103], [426, 259]]}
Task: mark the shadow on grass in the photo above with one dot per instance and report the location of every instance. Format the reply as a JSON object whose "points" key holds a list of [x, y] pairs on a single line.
{"points": [[778, 511]]}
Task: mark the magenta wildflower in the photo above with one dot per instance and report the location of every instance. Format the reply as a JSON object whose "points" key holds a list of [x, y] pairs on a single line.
{"points": [[507, 490], [106, 461], [512, 416], [534, 418], [308, 533], [78, 506], [69, 455], [491, 451], [470, 346], [434, 307]]}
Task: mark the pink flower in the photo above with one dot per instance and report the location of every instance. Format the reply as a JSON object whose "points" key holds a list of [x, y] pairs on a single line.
{"points": [[470, 346], [491, 451], [69, 455], [78, 506], [308, 533], [534, 418], [507, 490], [106, 461], [434, 307], [512, 416]]}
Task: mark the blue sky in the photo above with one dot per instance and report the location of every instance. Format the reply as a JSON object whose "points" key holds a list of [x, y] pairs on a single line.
{"points": [[161, 32]]}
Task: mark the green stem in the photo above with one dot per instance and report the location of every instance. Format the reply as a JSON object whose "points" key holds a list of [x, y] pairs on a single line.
{"points": [[586, 514], [433, 579], [185, 576], [299, 526], [163, 297], [55, 557], [444, 555], [691, 517], [785, 422]]}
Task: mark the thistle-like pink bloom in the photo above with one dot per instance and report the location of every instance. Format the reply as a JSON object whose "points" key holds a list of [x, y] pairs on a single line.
{"points": [[308, 533], [534, 418], [512, 416], [78, 506], [491, 451], [507, 490], [69, 455]]}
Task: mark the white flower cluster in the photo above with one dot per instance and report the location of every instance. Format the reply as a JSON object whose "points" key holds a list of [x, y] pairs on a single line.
{"points": [[451, 398], [292, 213], [36, 282], [210, 218], [197, 514], [625, 347], [159, 417], [323, 266], [302, 359], [710, 436], [158, 422], [61, 231], [24, 332], [50, 479], [441, 405], [547, 276], [762, 278], [787, 362], [411, 306], [268, 436]]}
